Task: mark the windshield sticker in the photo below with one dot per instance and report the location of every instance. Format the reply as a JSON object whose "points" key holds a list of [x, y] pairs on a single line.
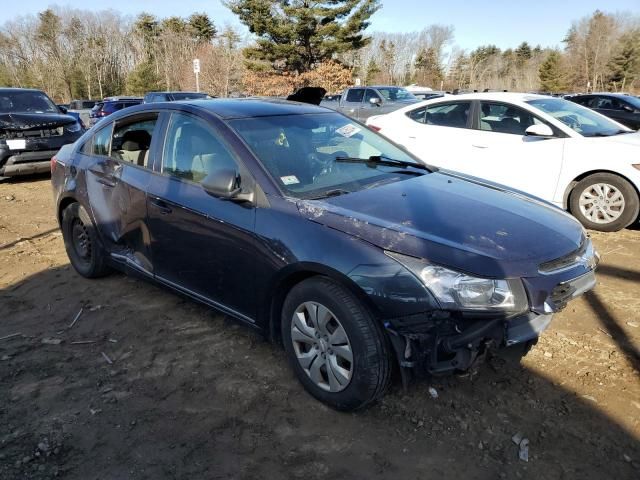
{"points": [[348, 130], [290, 180]]}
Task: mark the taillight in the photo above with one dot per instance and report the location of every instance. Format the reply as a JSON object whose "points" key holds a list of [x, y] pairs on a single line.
{"points": [[54, 163], [375, 128]]}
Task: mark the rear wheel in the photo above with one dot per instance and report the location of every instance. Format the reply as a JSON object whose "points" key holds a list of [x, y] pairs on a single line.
{"points": [[334, 345], [605, 202], [86, 253]]}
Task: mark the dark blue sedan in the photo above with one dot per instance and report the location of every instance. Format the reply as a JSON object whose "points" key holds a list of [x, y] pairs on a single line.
{"points": [[313, 229]]}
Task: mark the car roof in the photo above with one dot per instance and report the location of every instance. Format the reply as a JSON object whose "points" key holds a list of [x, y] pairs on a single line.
{"points": [[11, 89], [515, 97], [604, 94], [228, 108], [176, 91]]}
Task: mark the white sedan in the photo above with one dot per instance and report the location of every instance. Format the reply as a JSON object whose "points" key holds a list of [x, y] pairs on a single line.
{"points": [[548, 147]]}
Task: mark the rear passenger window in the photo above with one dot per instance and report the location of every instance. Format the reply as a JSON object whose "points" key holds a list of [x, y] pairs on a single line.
{"points": [[448, 114], [355, 95], [102, 141], [132, 141], [192, 150]]}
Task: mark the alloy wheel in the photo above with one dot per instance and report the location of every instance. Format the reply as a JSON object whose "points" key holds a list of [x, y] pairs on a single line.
{"points": [[601, 203], [322, 346]]}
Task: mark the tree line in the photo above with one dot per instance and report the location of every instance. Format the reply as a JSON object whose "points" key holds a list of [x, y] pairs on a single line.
{"points": [[72, 53]]}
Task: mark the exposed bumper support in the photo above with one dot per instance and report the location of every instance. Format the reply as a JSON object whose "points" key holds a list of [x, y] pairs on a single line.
{"points": [[448, 345]]}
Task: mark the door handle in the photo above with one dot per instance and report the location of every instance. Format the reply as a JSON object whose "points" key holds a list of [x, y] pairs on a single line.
{"points": [[106, 181], [480, 146], [161, 206], [412, 138]]}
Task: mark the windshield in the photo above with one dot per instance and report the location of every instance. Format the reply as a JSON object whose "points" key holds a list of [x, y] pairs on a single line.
{"points": [[300, 153], [26, 101], [396, 93], [580, 119], [634, 101]]}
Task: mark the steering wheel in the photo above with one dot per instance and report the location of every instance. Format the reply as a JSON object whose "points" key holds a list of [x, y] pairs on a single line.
{"points": [[573, 121]]}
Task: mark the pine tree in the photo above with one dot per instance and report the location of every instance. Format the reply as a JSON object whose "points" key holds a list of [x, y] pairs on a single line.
{"points": [[429, 72], [296, 35], [143, 79], [625, 65], [523, 53], [372, 72], [552, 76], [202, 27]]}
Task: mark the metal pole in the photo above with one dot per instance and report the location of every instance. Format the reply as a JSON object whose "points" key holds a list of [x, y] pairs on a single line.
{"points": [[198, 82]]}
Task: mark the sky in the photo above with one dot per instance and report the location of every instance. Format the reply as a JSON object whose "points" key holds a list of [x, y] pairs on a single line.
{"points": [[505, 23]]}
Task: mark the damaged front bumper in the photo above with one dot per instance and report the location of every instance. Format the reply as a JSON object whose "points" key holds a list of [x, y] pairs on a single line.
{"points": [[445, 344], [441, 342]]}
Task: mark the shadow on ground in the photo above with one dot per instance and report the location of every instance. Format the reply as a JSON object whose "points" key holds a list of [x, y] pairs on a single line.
{"points": [[146, 384]]}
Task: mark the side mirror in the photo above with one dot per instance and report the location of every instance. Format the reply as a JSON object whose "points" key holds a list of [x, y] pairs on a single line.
{"points": [[628, 108], [225, 184], [63, 109], [375, 101], [539, 130]]}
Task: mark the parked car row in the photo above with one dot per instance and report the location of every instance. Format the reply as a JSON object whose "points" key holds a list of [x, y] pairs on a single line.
{"points": [[323, 235]]}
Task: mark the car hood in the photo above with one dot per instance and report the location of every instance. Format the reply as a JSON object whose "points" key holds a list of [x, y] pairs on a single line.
{"points": [[455, 221], [28, 121], [625, 139]]}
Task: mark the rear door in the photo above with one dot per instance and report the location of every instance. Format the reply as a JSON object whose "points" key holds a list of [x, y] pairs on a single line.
{"points": [[439, 134], [503, 153], [201, 244], [117, 177]]}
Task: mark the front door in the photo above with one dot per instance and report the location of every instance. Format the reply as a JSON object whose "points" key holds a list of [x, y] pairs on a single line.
{"points": [[503, 153], [200, 244]]}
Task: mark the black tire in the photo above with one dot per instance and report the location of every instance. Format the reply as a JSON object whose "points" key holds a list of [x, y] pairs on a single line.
{"points": [[90, 261], [371, 366], [629, 212]]}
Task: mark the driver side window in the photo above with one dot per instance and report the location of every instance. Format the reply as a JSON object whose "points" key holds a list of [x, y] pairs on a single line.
{"points": [[192, 150]]}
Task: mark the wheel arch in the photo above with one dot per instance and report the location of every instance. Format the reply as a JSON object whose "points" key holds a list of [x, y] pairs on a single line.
{"points": [[569, 188], [292, 276], [62, 204]]}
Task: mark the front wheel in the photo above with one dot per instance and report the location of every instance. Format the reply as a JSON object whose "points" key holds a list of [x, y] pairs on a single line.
{"points": [[605, 202], [335, 347]]}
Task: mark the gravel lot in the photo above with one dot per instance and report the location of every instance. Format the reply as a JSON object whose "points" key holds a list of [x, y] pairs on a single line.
{"points": [[146, 384]]}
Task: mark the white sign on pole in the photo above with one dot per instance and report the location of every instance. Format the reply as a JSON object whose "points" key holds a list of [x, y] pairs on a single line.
{"points": [[358, 82], [196, 70]]}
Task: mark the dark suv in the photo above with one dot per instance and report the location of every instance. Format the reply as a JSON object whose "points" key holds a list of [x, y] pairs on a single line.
{"points": [[110, 105], [153, 97], [32, 130], [321, 234], [624, 109]]}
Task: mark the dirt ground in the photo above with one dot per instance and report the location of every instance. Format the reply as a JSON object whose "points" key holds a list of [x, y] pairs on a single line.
{"points": [[146, 384]]}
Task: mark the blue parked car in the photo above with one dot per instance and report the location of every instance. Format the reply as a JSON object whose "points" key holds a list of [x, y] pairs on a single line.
{"points": [[110, 105], [318, 232]]}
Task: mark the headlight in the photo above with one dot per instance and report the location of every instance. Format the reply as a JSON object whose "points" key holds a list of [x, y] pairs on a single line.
{"points": [[459, 291], [73, 127]]}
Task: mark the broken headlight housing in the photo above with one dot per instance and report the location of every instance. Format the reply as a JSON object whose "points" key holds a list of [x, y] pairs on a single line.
{"points": [[458, 291]]}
